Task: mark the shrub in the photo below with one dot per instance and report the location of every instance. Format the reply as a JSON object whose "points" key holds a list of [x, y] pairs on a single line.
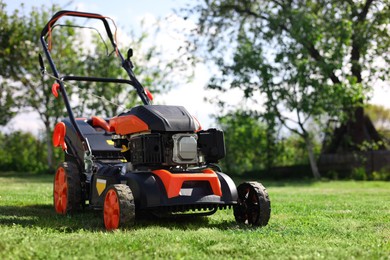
{"points": [[21, 151], [359, 173], [381, 175]]}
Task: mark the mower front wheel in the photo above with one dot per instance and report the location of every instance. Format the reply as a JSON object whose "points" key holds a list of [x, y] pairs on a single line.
{"points": [[254, 205], [67, 189], [119, 207]]}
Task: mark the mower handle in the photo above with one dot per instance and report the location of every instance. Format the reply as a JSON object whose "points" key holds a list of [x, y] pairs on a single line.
{"points": [[62, 13], [126, 63]]}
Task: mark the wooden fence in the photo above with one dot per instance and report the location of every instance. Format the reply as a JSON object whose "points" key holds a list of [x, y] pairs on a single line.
{"points": [[345, 162]]}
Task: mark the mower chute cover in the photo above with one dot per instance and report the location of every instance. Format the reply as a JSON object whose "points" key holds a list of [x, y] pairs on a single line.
{"points": [[153, 159]]}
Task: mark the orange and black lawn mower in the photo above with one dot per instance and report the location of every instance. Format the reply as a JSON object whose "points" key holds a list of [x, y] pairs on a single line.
{"points": [[152, 159]]}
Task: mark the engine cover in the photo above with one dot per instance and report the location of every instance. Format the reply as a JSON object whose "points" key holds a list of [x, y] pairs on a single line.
{"points": [[155, 118]]}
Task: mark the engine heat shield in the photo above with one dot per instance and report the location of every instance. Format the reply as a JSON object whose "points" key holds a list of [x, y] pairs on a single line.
{"points": [[157, 118]]}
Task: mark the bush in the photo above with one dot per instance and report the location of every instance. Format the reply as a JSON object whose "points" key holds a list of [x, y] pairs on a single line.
{"points": [[359, 174], [381, 175], [22, 152]]}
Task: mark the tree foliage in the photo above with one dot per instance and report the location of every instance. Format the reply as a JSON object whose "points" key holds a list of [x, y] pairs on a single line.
{"points": [[380, 117], [23, 152], [246, 142], [8, 106], [306, 59], [249, 148], [100, 60]]}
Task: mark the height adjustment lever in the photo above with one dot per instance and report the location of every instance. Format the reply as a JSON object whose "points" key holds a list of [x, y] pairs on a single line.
{"points": [[128, 59], [42, 66]]}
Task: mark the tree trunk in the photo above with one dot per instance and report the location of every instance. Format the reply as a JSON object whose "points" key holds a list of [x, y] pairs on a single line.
{"points": [[313, 162], [49, 146]]}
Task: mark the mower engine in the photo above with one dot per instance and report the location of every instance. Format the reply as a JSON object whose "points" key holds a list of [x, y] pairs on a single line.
{"points": [[152, 136]]}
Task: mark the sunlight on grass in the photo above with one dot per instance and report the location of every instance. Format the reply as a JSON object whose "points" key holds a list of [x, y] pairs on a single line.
{"points": [[309, 220]]}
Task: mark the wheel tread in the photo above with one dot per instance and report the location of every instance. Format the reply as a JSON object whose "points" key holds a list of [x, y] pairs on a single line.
{"points": [[264, 207], [265, 210], [126, 205], [74, 187]]}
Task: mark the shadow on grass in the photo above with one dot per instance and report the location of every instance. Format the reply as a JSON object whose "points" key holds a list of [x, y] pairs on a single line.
{"points": [[44, 216], [189, 222]]}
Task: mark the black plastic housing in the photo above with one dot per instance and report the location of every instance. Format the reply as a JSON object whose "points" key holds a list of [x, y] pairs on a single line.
{"points": [[161, 118], [108, 173], [145, 149], [99, 142], [212, 145]]}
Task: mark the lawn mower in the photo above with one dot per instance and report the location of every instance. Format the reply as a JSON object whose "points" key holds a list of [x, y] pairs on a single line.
{"points": [[152, 159]]}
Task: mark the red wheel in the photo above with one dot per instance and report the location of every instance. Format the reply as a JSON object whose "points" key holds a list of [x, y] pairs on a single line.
{"points": [[119, 208], [111, 210], [60, 191], [67, 189]]}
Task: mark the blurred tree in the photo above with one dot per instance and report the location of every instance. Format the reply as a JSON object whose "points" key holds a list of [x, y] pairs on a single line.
{"points": [[20, 69], [8, 101], [380, 117], [308, 59], [150, 68], [249, 148], [246, 142], [21, 151], [8, 106]]}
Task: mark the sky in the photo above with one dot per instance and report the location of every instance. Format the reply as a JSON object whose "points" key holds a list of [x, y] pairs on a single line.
{"points": [[127, 15]]}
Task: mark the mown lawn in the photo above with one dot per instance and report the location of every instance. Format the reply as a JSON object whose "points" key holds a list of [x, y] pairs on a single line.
{"points": [[310, 220]]}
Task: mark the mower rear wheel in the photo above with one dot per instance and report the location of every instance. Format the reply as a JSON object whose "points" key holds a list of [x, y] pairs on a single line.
{"points": [[119, 207], [254, 205], [67, 189]]}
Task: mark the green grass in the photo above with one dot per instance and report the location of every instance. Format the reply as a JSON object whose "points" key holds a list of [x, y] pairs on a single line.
{"points": [[314, 220]]}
